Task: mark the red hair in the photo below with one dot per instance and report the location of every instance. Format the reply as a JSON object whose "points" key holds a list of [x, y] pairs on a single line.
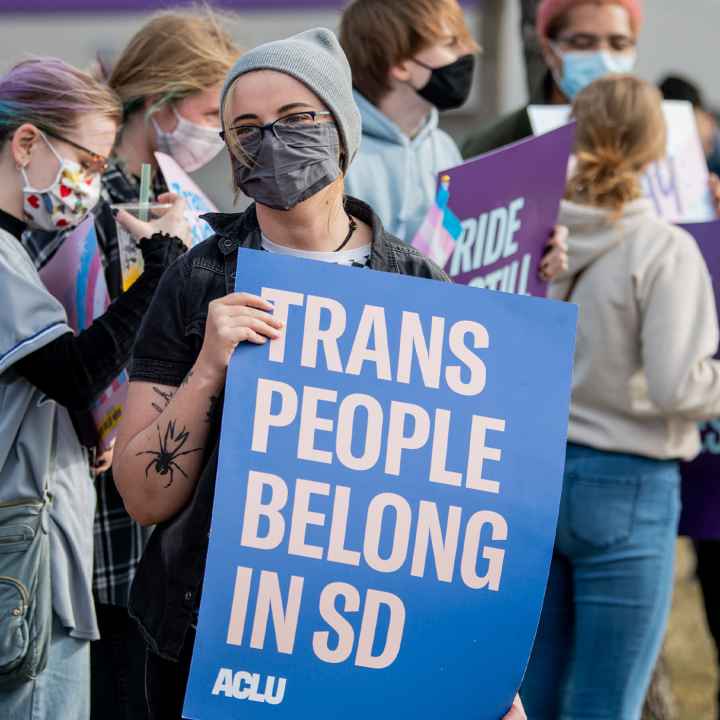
{"points": [[550, 10]]}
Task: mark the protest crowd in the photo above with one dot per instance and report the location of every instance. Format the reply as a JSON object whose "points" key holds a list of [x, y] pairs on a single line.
{"points": [[334, 142]]}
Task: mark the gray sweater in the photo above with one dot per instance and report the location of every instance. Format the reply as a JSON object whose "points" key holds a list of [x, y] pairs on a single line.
{"points": [[647, 332]]}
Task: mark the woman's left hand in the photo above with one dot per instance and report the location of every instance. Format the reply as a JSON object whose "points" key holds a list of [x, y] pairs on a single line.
{"points": [[102, 462], [171, 222], [517, 711], [555, 260]]}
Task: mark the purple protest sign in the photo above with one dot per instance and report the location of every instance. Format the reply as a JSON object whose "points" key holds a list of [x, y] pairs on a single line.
{"points": [[701, 478], [507, 202]]}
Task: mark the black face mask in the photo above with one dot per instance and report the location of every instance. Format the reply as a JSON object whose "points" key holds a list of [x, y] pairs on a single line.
{"points": [[449, 86], [284, 173]]}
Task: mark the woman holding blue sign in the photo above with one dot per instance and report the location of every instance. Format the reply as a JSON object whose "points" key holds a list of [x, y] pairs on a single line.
{"points": [[292, 126], [644, 376]]}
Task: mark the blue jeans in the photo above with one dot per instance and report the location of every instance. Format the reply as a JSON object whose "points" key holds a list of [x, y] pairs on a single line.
{"points": [[610, 588], [61, 690]]}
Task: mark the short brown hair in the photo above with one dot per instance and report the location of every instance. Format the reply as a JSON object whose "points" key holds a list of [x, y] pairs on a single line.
{"points": [[174, 55], [620, 131], [378, 34]]}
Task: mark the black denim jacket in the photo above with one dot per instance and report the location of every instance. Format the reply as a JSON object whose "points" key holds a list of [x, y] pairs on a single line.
{"points": [[166, 591]]}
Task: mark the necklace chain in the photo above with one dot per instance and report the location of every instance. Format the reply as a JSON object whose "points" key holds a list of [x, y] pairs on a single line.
{"points": [[351, 230]]}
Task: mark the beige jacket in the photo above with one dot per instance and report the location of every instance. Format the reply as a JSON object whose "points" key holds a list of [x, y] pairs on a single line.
{"points": [[647, 333]]}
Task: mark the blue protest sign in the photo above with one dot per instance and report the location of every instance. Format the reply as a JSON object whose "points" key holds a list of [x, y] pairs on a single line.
{"points": [[387, 492]]}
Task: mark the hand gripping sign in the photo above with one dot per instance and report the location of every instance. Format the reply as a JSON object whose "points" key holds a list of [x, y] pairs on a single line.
{"points": [[387, 493], [498, 212]]}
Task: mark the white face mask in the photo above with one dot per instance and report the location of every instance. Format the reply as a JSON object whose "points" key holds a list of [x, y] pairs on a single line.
{"points": [[66, 201], [189, 144]]}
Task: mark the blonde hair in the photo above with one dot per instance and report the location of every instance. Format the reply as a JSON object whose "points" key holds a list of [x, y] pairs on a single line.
{"points": [[174, 55], [620, 131], [235, 148]]}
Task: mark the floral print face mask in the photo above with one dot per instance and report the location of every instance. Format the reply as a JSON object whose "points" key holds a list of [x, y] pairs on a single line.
{"points": [[66, 201]]}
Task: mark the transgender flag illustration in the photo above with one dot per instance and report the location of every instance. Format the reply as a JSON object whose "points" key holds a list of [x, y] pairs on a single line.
{"points": [[440, 229], [75, 276]]}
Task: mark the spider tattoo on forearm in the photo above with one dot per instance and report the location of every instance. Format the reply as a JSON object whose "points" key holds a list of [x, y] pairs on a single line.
{"points": [[163, 462]]}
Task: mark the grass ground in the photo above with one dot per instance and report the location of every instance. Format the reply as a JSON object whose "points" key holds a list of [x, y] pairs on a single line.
{"points": [[688, 648]]}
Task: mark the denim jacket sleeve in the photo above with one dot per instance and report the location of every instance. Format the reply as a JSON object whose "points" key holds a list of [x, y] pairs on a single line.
{"points": [[162, 353], [410, 261]]}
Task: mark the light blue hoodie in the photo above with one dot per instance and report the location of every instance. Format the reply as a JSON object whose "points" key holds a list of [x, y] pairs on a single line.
{"points": [[397, 175]]}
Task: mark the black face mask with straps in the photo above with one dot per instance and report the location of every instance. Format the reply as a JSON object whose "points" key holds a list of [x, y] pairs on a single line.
{"points": [[284, 172], [449, 86]]}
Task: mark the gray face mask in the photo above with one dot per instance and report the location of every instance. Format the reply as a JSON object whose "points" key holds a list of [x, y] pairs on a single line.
{"points": [[283, 172]]}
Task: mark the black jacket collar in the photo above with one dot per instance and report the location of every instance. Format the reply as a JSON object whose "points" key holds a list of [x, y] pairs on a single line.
{"points": [[12, 224], [236, 230]]}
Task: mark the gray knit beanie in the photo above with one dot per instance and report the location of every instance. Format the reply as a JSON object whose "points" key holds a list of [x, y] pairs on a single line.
{"points": [[315, 58]]}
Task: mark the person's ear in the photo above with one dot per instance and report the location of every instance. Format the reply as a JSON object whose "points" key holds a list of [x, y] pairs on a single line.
{"points": [[152, 103], [161, 111], [24, 140], [401, 72], [156, 106]]}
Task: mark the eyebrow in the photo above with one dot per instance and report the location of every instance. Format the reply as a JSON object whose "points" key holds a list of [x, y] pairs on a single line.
{"points": [[92, 154], [588, 34], [289, 107], [293, 106]]}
